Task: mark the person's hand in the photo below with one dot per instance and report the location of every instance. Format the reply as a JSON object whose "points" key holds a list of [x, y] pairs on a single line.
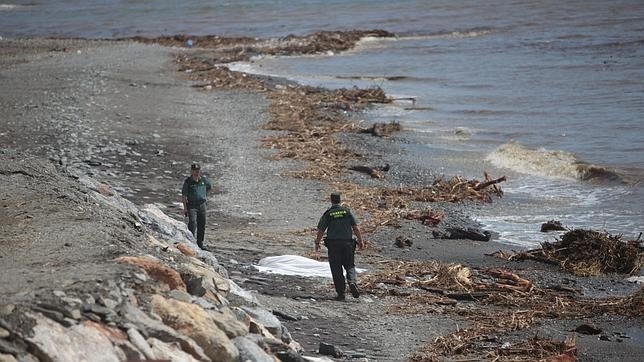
{"points": [[361, 244], [317, 247]]}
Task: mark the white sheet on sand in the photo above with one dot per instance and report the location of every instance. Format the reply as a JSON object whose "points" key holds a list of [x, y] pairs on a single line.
{"points": [[295, 265]]}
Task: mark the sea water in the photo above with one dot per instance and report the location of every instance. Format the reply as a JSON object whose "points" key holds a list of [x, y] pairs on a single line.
{"points": [[549, 93]]}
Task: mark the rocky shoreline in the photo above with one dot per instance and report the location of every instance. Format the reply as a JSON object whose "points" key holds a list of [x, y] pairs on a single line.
{"points": [[139, 289], [116, 120]]}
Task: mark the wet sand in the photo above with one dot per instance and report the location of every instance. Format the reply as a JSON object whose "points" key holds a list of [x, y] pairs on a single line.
{"points": [[120, 112]]}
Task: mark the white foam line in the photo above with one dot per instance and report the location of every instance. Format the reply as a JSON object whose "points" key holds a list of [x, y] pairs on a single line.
{"points": [[8, 6]]}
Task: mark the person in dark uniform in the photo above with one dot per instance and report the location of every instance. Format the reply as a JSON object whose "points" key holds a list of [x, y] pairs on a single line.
{"points": [[340, 224], [194, 195]]}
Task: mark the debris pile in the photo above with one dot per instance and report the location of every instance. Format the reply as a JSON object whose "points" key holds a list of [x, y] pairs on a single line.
{"points": [[587, 253], [442, 279], [234, 49], [440, 288], [426, 217], [465, 343], [387, 205]]}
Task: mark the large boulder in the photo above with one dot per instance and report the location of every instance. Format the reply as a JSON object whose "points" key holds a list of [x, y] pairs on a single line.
{"points": [[171, 229], [51, 341], [169, 351], [250, 351], [227, 321], [196, 323], [265, 319], [154, 328], [204, 282], [156, 270]]}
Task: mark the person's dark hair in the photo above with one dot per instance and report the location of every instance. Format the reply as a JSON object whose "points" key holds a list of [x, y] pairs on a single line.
{"points": [[195, 166], [335, 198]]}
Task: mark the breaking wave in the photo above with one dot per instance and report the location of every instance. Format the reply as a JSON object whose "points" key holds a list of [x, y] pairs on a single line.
{"points": [[555, 164], [8, 6], [377, 42]]}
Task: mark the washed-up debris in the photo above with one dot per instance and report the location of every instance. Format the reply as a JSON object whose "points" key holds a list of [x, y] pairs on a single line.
{"points": [[426, 217], [374, 172], [380, 129], [552, 225], [587, 253], [231, 49], [403, 242], [387, 205], [489, 347], [441, 278]]}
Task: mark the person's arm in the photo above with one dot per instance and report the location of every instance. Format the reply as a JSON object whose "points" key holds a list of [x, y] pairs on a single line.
{"points": [[356, 230], [184, 198], [184, 201], [208, 184], [318, 238], [322, 225]]}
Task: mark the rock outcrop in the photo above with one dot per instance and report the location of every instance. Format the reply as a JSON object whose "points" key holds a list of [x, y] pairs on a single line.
{"points": [[131, 284]]}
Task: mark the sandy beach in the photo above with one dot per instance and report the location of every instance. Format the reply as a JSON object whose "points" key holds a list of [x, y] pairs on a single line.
{"points": [[130, 116]]}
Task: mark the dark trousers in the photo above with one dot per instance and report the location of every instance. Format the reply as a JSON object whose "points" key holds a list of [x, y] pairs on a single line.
{"points": [[342, 255], [197, 222]]}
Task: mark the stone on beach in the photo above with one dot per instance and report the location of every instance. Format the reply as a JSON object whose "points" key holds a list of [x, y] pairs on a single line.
{"points": [[196, 323], [154, 328], [201, 279], [51, 341], [250, 351], [156, 270], [169, 351]]}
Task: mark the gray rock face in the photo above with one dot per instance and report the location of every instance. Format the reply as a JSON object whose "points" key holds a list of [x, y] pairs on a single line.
{"points": [[158, 221], [265, 318], [156, 329], [169, 351], [140, 343], [98, 318], [51, 341], [250, 351]]}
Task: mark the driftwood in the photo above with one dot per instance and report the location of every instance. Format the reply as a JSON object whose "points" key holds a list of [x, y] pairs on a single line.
{"points": [[374, 172], [426, 217], [507, 279], [487, 183]]}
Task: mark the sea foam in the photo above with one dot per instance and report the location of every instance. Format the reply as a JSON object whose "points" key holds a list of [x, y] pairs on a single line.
{"points": [[8, 7], [555, 164]]}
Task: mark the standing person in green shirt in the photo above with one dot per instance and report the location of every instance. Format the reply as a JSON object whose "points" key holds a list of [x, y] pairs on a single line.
{"points": [[194, 196], [340, 224]]}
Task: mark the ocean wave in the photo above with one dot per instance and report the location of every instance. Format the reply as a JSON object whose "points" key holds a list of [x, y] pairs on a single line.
{"points": [[374, 42], [4, 7], [555, 164]]}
